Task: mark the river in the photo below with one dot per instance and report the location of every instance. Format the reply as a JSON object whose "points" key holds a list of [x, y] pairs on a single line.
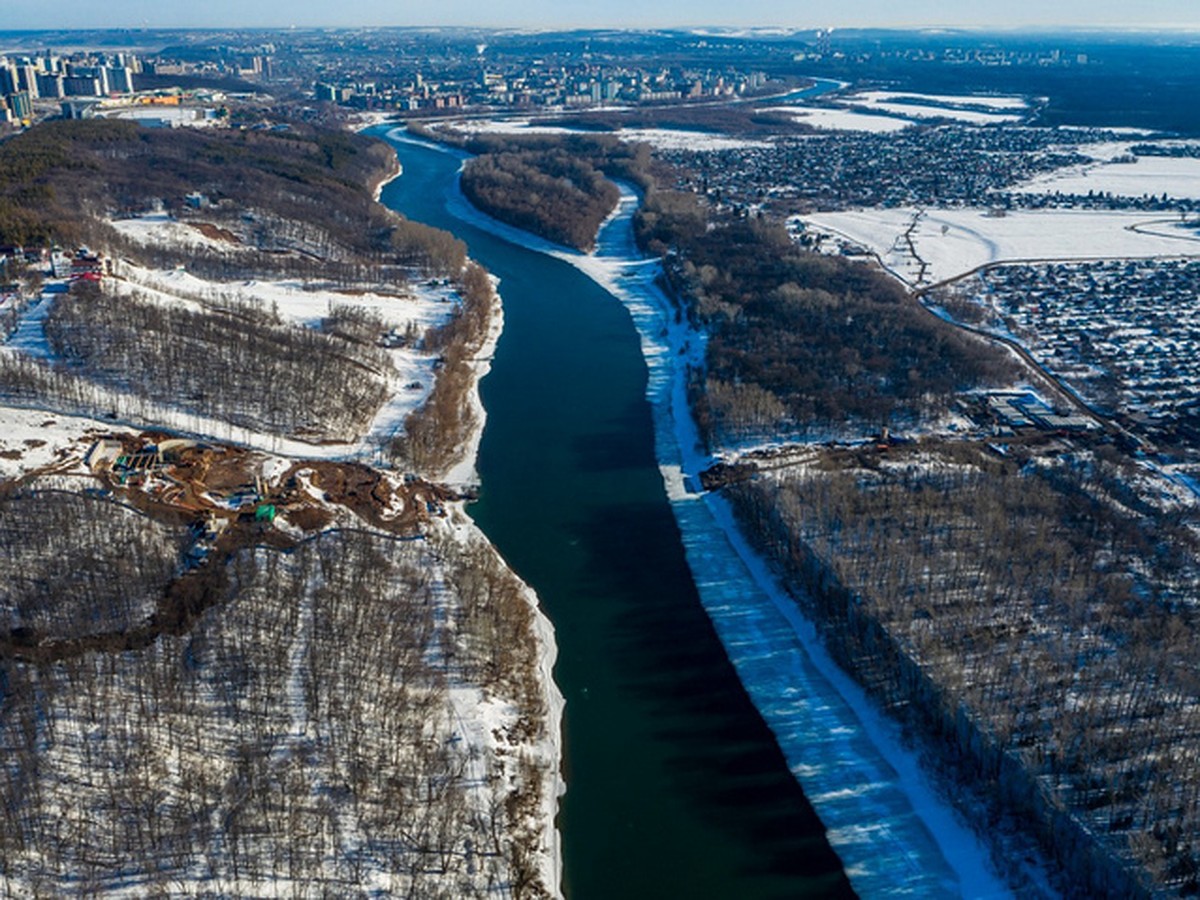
{"points": [[675, 786], [818, 87]]}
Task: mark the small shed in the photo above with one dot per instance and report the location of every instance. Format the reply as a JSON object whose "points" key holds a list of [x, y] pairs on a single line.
{"points": [[103, 453]]}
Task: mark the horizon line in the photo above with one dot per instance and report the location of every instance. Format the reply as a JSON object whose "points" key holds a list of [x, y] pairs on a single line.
{"points": [[703, 30]]}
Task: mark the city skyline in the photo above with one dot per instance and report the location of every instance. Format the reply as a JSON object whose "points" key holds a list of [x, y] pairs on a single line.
{"points": [[1180, 15]]}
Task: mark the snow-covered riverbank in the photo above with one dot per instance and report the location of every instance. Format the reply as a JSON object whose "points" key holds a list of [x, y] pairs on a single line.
{"points": [[894, 833], [549, 748]]}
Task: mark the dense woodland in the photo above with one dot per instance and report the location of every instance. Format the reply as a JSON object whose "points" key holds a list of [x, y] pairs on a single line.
{"points": [[301, 189], [551, 193], [618, 159], [1038, 619], [303, 736], [275, 377], [799, 341], [554, 187]]}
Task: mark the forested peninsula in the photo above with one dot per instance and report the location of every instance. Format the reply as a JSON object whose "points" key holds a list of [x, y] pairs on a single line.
{"points": [[558, 188]]}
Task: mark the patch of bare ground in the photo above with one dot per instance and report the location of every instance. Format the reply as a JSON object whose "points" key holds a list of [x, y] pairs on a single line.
{"points": [[215, 232], [375, 498]]}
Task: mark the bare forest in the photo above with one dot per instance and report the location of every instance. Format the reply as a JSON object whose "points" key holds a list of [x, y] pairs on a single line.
{"points": [[433, 435], [275, 377], [1038, 619], [302, 191], [120, 563], [305, 734], [550, 193], [555, 187], [798, 341]]}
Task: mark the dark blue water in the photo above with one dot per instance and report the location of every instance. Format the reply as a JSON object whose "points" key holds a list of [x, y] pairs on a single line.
{"points": [[821, 86], [675, 787]]}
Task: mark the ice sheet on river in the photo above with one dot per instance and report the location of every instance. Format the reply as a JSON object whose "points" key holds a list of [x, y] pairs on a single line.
{"points": [[894, 835]]}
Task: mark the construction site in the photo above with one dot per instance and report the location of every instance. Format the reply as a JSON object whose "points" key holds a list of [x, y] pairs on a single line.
{"points": [[215, 486], [229, 499]]}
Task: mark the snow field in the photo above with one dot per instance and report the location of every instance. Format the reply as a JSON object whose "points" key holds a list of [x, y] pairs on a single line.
{"points": [[1177, 177], [990, 101], [303, 304], [677, 139], [953, 242], [663, 138], [893, 114], [942, 106], [838, 119]]}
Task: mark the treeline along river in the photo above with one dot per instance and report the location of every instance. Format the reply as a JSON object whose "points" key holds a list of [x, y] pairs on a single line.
{"points": [[675, 786]]}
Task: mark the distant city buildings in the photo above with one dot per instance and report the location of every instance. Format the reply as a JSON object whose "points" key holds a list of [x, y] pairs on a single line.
{"points": [[538, 84], [402, 71], [86, 83], [52, 77], [47, 76]]}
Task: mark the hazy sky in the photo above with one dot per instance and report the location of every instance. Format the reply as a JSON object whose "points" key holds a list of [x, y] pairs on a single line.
{"points": [[614, 13]]}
